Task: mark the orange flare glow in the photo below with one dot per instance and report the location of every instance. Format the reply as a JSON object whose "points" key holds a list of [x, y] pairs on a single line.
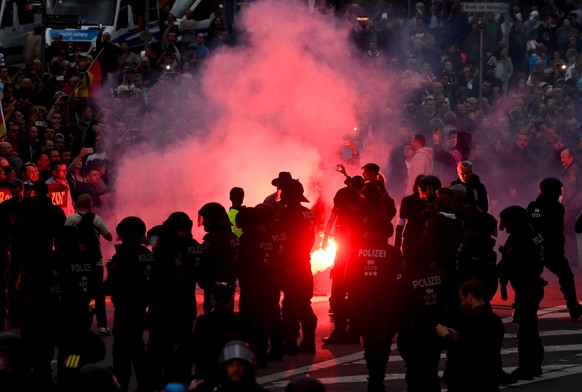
{"points": [[322, 259]]}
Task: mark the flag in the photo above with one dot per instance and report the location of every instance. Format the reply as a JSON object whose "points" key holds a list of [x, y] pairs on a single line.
{"points": [[90, 83]]}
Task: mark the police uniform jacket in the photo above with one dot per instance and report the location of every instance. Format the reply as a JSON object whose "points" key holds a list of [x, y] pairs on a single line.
{"points": [[176, 272], [522, 259], [419, 297], [129, 276], [258, 264], [219, 257], [547, 218], [372, 269]]}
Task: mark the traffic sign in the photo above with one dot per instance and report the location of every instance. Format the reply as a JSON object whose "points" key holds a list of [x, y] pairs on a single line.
{"points": [[485, 7], [64, 21]]}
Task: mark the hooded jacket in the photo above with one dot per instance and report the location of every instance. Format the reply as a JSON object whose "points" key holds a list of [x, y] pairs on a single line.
{"points": [[422, 163]]}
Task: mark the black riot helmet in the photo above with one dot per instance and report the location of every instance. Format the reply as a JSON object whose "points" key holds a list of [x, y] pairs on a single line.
{"points": [[428, 187], [213, 217], [179, 222], [551, 187], [131, 228], [512, 218], [247, 218]]}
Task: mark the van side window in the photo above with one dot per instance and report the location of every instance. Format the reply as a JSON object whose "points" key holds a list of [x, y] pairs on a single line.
{"points": [[25, 14], [122, 22]]}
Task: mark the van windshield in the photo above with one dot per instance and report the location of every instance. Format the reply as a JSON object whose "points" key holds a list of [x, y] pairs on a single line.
{"points": [[93, 12]]}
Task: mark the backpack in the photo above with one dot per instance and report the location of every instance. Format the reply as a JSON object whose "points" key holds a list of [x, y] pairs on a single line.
{"points": [[87, 239]]}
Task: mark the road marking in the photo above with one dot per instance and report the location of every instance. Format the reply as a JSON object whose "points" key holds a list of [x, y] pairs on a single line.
{"points": [[310, 368], [504, 351], [358, 356], [541, 313], [566, 371], [558, 332], [550, 371]]}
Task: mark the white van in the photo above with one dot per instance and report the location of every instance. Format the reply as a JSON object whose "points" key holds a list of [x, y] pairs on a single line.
{"points": [[17, 21]]}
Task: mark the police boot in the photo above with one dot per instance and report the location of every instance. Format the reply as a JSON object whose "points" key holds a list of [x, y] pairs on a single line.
{"points": [[575, 310], [290, 347], [522, 374], [308, 326], [507, 378], [376, 384], [307, 344], [336, 336]]}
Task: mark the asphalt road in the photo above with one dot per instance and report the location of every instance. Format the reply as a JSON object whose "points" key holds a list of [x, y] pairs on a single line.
{"points": [[342, 367]]}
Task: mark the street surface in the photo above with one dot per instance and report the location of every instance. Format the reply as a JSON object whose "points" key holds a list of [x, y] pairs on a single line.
{"points": [[342, 367]]}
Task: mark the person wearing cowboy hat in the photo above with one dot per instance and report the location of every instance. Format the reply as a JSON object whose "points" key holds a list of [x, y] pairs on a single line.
{"points": [[295, 236]]}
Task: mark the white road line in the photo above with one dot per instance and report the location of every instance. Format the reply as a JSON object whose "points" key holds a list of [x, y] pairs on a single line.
{"points": [[566, 371], [550, 372], [504, 351], [541, 313], [558, 332], [310, 368], [358, 357]]}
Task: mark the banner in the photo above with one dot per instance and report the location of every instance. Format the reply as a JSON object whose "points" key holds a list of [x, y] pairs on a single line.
{"points": [[5, 194], [59, 195]]}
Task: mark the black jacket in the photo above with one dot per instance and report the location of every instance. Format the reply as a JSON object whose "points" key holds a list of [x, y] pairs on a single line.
{"points": [[476, 192], [547, 218], [474, 355]]}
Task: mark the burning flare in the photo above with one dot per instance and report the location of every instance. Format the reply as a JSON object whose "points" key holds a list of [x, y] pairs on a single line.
{"points": [[323, 258]]}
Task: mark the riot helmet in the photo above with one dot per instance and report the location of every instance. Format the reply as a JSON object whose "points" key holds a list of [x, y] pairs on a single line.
{"points": [[428, 187]]}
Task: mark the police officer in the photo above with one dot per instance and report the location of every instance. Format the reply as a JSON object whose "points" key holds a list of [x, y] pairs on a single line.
{"points": [[42, 222], [260, 280], [14, 245], [522, 265], [546, 215], [476, 258], [346, 221], [295, 236], [129, 279], [372, 269], [219, 250], [418, 308], [173, 309]]}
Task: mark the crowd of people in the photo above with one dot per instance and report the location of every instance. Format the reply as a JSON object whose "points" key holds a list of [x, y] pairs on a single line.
{"points": [[467, 146]]}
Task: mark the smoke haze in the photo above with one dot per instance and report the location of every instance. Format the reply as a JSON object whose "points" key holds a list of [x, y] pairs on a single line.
{"points": [[281, 101]]}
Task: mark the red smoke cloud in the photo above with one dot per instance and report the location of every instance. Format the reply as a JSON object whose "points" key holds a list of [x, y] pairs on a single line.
{"points": [[281, 101]]}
